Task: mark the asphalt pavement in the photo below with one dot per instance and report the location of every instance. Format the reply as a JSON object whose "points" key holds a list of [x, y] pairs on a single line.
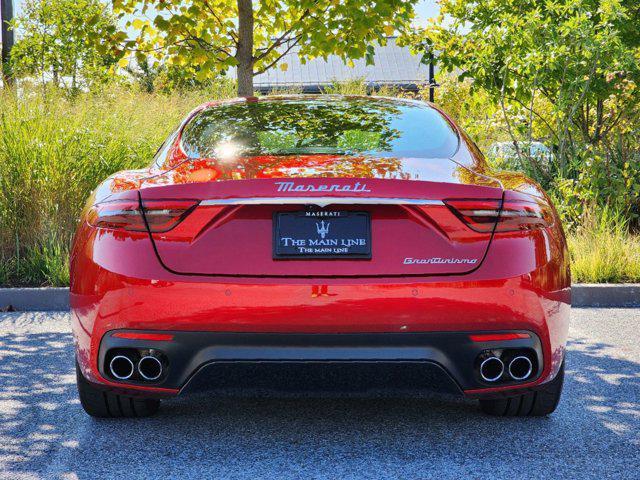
{"points": [[595, 433]]}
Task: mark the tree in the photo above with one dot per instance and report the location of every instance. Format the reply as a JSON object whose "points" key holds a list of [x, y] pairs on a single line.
{"points": [[6, 37], [569, 67], [208, 37], [566, 72], [65, 41]]}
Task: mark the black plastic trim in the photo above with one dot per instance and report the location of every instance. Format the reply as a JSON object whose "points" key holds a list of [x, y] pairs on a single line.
{"points": [[189, 351]]}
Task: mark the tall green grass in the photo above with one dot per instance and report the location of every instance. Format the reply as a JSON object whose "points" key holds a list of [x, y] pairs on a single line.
{"points": [[54, 151], [358, 86], [603, 251]]}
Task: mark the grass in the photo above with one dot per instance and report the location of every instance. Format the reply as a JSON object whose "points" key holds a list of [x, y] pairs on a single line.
{"points": [[54, 151], [603, 251]]}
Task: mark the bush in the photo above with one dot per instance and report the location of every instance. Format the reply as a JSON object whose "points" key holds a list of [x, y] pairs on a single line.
{"points": [[475, 112], [600, 181], [54, 152], [603, 251]]}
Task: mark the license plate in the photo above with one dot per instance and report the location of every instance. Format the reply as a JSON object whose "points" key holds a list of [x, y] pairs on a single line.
{"points": [[322, 234]]}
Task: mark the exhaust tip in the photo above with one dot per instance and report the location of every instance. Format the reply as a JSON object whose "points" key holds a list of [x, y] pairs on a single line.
{"points": [[491, 369], [121, 367], [150, 368], [520, 368]]}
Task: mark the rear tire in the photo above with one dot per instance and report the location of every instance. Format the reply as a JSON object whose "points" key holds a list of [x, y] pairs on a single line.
{"points": [[103, 404], [540, 402]]}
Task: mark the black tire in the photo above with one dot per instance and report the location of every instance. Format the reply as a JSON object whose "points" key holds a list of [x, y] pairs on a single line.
{"points": [[103, 404], [537, 403]]}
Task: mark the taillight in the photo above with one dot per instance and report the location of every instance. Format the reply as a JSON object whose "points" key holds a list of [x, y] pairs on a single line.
{"points": [[523, 215], [515, 215], [118, 214], [479, 215], [161, 215]]}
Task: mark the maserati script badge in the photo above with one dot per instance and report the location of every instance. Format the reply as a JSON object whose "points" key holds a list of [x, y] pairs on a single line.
{"points": [[325, 187]]}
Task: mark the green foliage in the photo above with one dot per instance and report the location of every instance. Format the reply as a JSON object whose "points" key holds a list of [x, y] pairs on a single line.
{"points": [[54, 153], [565, 73], [356, 86], [474, 111], [203, 38], [603, 181], [288, 90], [174, 79], [151, 76], [579, 56], [146, 74], [603, 251], [59, 42], [46, 262]]}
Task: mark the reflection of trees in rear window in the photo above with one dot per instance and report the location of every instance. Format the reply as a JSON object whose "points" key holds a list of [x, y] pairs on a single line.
{"points": [[319, 126], [273, 142], [359, 140]]}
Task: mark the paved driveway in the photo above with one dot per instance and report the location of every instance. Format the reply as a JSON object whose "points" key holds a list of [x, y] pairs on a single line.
{"points": [[595, 433]]}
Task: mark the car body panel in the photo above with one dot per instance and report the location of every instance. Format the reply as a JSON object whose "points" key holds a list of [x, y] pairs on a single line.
{"points": [[202, 243], [126, 287], [141, 281]]}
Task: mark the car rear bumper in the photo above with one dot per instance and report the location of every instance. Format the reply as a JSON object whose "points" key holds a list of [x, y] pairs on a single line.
{"points": [[337, 320], [399, 323], [185, 354]]}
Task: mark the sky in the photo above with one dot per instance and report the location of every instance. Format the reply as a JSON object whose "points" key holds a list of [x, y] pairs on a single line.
{"points": [[425, 9]]}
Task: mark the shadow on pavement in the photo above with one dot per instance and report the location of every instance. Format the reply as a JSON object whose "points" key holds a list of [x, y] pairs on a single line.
{"points": [[45, 434]]}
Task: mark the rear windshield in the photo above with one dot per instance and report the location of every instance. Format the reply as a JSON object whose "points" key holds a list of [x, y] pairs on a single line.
{"points": [[298, 127]]}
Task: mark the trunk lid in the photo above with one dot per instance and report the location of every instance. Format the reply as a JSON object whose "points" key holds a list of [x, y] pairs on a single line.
{"points": [[413, 233]]}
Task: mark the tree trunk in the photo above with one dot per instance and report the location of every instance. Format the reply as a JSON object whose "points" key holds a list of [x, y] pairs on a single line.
{"points": [[597, 132], [56, 76], [244, 52], [6, 11]]}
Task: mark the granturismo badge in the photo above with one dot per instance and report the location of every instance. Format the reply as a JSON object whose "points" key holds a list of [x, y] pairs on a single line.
{"points": [[333, 187], [438, 260]]}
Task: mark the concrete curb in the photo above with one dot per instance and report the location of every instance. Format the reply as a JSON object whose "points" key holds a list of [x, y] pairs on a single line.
{"points": [[583, 295], [43, 299], [605, 295]]}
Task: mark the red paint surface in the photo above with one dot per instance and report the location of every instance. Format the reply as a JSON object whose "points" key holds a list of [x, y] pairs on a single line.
{"points": [[219, 275]]}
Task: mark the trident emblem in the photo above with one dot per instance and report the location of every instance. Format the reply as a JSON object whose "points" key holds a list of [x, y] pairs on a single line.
{"points": [[322, 228]]}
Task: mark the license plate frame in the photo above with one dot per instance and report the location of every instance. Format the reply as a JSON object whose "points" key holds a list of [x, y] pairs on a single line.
{"points": [[311, 235]]}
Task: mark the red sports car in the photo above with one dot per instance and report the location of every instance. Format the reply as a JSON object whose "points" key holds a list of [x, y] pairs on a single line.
{"points": [[319, 230]]}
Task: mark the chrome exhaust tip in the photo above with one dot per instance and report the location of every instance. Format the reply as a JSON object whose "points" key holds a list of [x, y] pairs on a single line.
{"points": [[121, 367], [491, 369], [520, 368], [150, 368]]}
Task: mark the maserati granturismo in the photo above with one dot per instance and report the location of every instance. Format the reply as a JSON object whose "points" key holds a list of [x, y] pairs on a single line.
{"points": [[327, 232]]}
